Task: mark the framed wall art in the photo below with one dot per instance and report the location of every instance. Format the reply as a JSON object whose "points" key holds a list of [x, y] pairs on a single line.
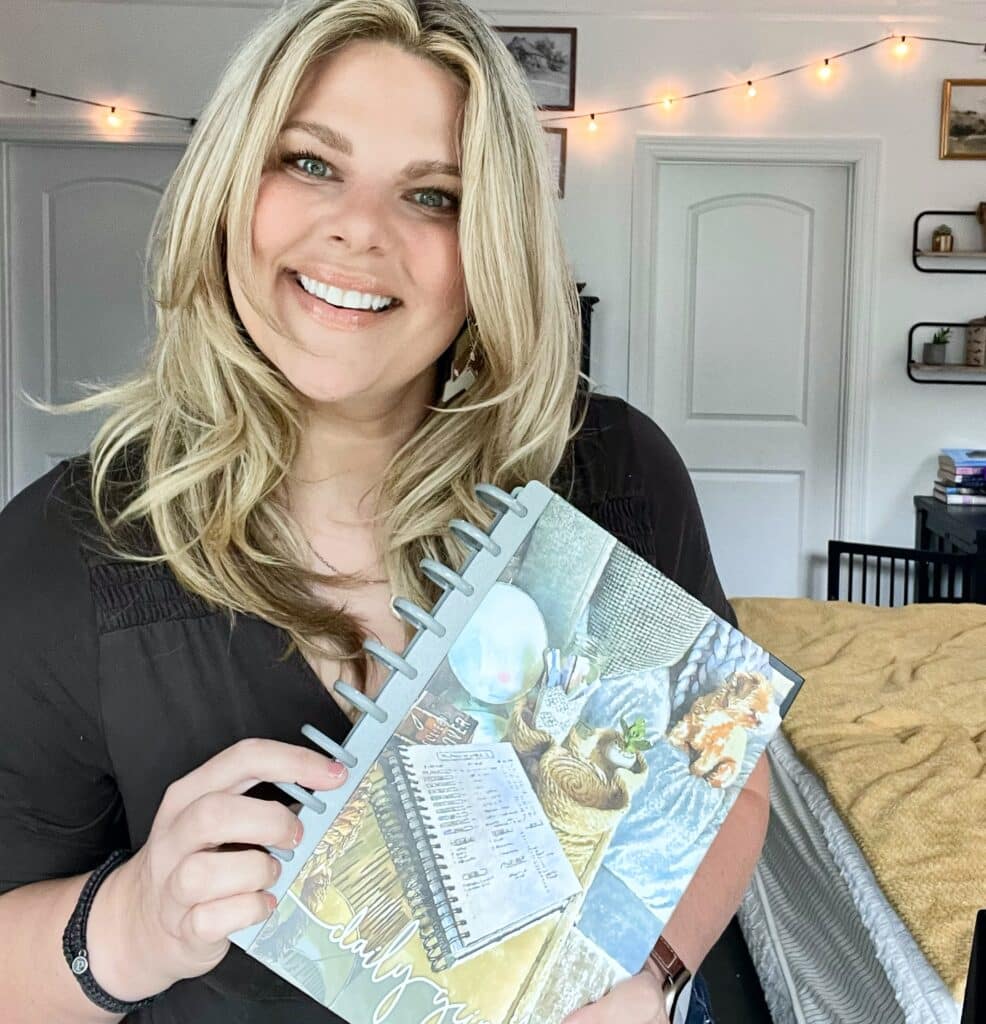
{"points": [[963, 119], [547, 58]]}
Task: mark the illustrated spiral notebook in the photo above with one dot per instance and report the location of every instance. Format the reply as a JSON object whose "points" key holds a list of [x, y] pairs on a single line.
{"points": [[533, 788]]}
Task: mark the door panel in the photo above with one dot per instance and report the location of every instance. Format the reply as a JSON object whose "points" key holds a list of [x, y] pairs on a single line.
{"points": [[732, 339]]}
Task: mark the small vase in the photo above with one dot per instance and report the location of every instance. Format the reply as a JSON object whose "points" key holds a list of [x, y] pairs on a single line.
{"points": [[941, 243], [934, 353], [555, 713], [975, 342]]}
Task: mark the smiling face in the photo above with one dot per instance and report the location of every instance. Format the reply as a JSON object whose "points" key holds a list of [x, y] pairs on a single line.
{"points": [[356, 212]]}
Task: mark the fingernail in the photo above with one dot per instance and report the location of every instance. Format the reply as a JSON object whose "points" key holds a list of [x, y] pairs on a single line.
{"points": [[335, 768], [298, 833]]}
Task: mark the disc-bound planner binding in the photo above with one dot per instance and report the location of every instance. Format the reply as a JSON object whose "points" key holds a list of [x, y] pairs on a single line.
{"points": [[531, 791]]}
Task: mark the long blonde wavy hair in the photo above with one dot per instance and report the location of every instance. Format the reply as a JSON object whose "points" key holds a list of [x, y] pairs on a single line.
{"points": [[217, 426]]}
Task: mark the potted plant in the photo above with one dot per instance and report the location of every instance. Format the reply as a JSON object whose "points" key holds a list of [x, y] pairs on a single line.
{"points": [[934, 350], [941, 239], [631, 739]]}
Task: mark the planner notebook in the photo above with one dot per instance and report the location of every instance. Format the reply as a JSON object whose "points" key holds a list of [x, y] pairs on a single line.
{"points": [[532, 790]]}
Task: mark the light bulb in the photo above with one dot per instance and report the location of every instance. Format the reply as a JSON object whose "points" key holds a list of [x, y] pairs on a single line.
{"points": [[825, 71], [751, 89], [113, 118], [666, 102], [32, 100], [901, 49], [593, 127]]}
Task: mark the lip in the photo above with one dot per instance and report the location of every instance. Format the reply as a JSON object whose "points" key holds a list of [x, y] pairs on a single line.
{"points": [[329, 316], [348, 282]]}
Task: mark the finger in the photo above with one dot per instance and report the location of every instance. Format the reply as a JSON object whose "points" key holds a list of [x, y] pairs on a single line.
{"points": [[208, 924], [213, 875], [245, 764], [636, 1000], [218, 818]]}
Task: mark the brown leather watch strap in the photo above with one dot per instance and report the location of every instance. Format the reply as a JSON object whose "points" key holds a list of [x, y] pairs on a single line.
{"points": [[667, 959], [676, 974]]}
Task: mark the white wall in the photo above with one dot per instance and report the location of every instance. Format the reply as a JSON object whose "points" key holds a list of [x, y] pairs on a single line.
{"points": [[167, 58]]}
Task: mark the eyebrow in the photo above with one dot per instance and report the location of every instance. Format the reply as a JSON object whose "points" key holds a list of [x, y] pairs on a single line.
{"points": [[336, 140]]}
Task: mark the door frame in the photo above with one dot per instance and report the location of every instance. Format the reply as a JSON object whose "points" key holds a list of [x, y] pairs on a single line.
{"points": [[20, 130], [862, 157]]}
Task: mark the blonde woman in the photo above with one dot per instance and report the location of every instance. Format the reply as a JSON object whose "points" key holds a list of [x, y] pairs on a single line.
{"points": [[271, 480]]}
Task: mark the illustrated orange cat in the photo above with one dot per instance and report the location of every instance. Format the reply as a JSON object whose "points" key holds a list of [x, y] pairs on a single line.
{"points": [[715, 726]]}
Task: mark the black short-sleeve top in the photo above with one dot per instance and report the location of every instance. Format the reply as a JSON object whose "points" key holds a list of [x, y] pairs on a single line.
{"points": [[115, 680]]}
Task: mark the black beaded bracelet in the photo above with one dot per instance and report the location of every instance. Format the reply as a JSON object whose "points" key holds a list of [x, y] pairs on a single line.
{"points": [[74, 940]]}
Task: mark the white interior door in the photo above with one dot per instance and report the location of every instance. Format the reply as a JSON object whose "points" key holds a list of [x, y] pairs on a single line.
{"points": [[80, 216], [745, 287]]}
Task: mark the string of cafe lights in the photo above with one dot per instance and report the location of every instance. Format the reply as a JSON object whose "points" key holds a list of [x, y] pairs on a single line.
{"points": [[113, 119], [824, 71]]}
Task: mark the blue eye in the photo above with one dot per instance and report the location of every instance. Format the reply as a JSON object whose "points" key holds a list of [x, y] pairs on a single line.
{"points": [[293, 158], [442, 194]]}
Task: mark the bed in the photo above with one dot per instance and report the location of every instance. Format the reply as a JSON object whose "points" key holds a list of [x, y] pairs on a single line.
{"points": [[863, 905]]}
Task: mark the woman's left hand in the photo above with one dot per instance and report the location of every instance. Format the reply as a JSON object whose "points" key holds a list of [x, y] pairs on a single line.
{"points": [[636, 1000]]}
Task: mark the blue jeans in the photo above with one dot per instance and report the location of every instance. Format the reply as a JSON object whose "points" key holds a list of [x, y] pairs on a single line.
{"points": [[700, 1007]]}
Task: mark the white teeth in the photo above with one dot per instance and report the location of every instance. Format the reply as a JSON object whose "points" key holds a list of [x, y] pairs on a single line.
{"points": [[350, 299]]}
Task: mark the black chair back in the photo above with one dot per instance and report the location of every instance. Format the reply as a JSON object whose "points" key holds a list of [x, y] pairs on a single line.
{"points": [[879, 574]]}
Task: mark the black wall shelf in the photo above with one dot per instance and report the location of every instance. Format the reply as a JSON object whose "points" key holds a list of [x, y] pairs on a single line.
{"points": [[917, 253], [976, 372]]}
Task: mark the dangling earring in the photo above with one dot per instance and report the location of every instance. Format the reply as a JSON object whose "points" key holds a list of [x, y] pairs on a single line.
{"points": [[465, 362]]}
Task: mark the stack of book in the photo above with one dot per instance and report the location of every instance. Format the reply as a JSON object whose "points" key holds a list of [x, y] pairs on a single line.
{"points": [[961, 476]]}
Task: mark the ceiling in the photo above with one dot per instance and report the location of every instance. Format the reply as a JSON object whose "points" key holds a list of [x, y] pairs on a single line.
{"points": [[834, 9]]}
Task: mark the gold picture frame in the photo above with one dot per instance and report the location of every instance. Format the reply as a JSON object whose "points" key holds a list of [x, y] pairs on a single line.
{"points": [[963, 119]]}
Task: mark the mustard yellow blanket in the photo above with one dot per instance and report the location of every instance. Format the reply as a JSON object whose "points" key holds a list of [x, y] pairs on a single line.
{"points": [[892, 718]]}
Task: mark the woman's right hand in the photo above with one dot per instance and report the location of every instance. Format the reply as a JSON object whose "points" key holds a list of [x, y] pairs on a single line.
{"points": [[174, 903]]}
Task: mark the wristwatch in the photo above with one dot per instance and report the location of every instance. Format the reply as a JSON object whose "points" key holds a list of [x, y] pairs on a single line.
{"points": [[675, 974]]}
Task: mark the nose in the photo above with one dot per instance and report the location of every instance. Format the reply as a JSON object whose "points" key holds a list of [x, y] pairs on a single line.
{"points": [[359, 218]]}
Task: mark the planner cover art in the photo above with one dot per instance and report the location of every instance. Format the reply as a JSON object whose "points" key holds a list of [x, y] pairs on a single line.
{"points": [[533, 820]]}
